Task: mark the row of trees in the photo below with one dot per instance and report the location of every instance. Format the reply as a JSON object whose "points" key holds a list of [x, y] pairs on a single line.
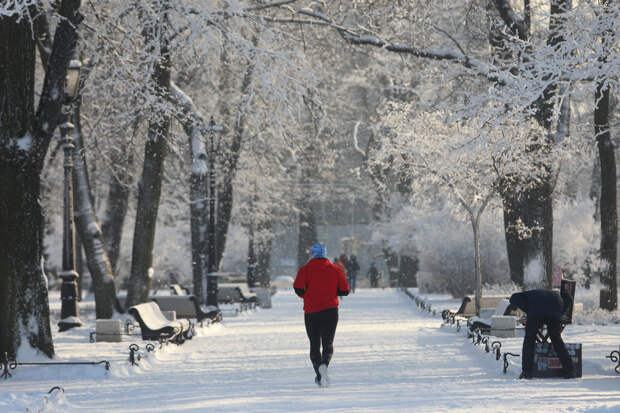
{"points": [[474, 98], [146, 64], [512, 68]]}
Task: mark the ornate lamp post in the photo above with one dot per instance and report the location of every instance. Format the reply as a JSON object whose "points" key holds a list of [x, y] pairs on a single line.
{"points": [[69, 316], [212, 130]]}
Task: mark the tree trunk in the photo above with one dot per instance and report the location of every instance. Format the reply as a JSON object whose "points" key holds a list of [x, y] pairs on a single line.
{"points": [[263, 275], [225, 193], [514, 244], [149, 194], [149, 188], [512, 202], [537, 216], [252, 261], [595, 186], [115, 213], [532, 256], [475, 225], [117, 205], [24, 307], [79, 261], [538, 208], [198, 222], [608, 201], [224, 214], [306, 232], [193, 124], [22, 281], [90, 232], [408, 271], [24, 140], [226, 165]]}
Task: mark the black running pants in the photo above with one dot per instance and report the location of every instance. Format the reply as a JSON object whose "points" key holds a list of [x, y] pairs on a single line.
{"points": [[321, 329]]}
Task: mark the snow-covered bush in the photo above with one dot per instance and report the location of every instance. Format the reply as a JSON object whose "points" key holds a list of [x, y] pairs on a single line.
{"points": [[444, 246], [447, 253]]}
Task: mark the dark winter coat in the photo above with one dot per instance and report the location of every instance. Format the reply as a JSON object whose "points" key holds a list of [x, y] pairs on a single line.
{"points": [[542, 303], [353, 266]]}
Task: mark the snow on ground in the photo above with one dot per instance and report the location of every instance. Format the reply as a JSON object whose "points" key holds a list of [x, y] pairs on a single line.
{"points": [[389, 356]]}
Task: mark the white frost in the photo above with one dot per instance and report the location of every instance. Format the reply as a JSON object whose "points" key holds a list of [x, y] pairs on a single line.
{"points": [[24, 143], [534, 273]]}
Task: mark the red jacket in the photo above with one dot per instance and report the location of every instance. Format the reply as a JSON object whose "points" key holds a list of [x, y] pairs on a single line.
{"points": [[319, 283]]}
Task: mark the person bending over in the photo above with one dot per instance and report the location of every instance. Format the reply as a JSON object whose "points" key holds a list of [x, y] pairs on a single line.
{"points": [[543, 307], [319, 283]]}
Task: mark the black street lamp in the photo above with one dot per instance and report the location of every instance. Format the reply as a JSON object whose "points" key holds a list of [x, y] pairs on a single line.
{"points": [[69, 315], [212, 130]]}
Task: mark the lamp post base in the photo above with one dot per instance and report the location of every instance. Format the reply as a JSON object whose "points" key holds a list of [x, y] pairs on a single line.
{"points": [[211, 289], [68, 323], [68, 295]]}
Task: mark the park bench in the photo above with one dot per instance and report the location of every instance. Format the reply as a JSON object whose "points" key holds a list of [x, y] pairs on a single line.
{"points": [[154, 326], [186, 306], [488, 303], [233, 293], [247, 296]]}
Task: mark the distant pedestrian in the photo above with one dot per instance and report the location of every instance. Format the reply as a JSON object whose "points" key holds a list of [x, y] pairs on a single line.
{"points": [[543, 307], [352, 272], [373, 275], [319, 283]]}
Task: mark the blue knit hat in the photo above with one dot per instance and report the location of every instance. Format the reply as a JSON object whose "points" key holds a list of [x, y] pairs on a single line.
{"points": [[318, 251]]}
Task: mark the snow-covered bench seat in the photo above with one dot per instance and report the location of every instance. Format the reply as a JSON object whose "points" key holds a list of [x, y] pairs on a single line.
{"points": [[500, 322], [155, 326], [186, 306], [246, 295]]}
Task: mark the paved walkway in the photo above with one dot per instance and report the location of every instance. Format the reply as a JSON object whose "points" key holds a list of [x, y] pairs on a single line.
{"points": [[388, 357]]}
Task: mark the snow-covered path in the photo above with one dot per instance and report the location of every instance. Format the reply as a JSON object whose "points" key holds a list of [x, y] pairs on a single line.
{"points": [[388, 356]]}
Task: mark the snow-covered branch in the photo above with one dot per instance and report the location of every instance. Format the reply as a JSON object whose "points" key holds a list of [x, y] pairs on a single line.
{"points": [[194, 125], [20, 8]]}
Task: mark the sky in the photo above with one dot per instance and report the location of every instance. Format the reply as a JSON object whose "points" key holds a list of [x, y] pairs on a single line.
{"points": [[389, 357]]}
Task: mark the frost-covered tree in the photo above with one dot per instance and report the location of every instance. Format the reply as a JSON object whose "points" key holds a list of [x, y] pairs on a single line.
{"points": [[466, 158], [208, 44]]}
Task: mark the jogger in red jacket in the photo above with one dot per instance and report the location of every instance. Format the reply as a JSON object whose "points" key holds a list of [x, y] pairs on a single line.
{"points": [[319, 283]]}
